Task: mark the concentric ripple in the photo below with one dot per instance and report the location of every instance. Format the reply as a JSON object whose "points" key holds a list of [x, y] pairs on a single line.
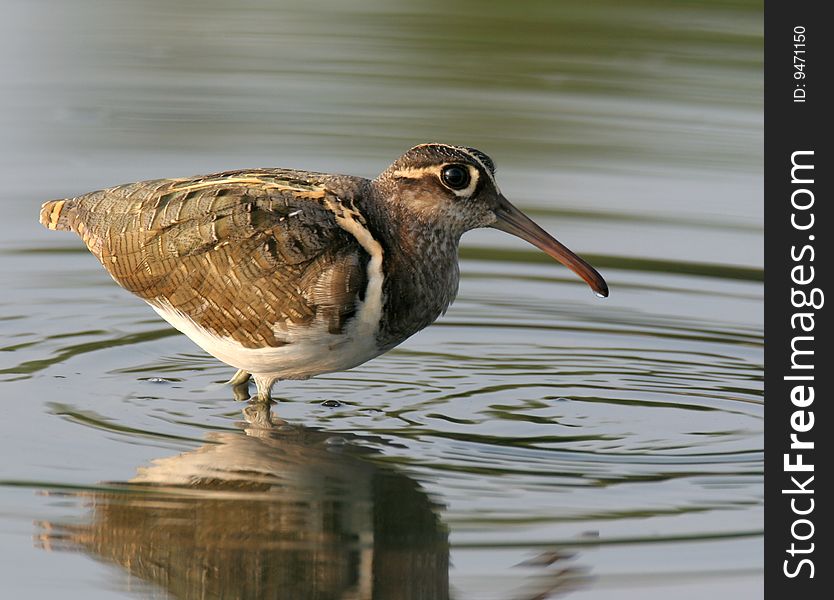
{"points": [[538, 420]]}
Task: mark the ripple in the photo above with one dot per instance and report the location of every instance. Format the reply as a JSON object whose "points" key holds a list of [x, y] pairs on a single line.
{"points": [[538, 387]]}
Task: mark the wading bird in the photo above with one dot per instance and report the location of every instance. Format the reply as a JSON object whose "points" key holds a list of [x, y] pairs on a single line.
{"points": [[287, 274]]}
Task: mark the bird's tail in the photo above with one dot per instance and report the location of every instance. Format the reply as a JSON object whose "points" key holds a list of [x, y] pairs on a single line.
{"points": [[54, 215]]}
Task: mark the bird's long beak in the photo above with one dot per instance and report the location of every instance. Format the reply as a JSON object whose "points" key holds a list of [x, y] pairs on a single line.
{"points": [[515, 222]]}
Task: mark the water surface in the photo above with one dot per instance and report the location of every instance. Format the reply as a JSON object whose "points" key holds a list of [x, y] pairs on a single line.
{"points": [[535, 442]]}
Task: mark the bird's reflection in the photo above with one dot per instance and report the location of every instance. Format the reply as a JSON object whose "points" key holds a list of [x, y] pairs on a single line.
{"points": [[278, 511]]}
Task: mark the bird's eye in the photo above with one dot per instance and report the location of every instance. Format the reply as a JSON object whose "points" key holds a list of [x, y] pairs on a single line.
{"points": [[455, 177]]}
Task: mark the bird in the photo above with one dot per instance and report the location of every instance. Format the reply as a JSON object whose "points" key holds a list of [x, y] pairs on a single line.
{"points": [[287, 274]]}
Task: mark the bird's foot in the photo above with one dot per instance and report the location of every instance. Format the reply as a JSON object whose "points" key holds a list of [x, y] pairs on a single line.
{"points": [[240, 385], [239, 378], [264, 385]]}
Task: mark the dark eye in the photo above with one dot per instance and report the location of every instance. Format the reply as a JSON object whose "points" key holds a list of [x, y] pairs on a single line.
{"points": [[455, 177]]}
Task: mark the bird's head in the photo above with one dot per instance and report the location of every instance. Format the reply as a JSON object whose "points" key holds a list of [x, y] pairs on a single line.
{"points": [[453, 188]]}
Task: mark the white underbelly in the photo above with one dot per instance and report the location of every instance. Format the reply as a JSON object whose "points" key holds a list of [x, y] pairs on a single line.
{"points": [[309, 351]]}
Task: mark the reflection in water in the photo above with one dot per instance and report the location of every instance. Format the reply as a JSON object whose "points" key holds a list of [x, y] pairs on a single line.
{"points": [[281, 512]]}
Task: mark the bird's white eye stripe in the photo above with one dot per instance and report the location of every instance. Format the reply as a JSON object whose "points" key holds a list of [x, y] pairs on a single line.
{"points": [[416, 172], [437, 171]]}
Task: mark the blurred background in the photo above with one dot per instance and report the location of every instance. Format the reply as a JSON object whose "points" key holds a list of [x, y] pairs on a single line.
{"points": [[536, 442]]}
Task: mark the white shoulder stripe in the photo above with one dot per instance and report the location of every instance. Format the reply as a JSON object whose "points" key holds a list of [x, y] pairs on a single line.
{"points": [[370, 312]]}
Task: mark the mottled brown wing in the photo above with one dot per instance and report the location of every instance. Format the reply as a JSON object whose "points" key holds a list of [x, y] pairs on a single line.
{"points": [[244, 254]]}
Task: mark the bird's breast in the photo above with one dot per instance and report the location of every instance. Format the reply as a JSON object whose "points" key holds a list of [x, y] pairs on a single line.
{"points": [[417, 289]]}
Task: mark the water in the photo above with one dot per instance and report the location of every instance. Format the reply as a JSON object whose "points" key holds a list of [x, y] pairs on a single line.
{"points": [[535, 442]]}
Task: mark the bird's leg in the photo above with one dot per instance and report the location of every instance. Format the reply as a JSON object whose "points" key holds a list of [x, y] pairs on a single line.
{"points": [[239, 378], [241, 392], [240, 385], [264, 385]]}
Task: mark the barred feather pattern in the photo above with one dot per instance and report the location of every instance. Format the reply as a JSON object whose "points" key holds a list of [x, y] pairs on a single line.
{"points": [[243, 254]]}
